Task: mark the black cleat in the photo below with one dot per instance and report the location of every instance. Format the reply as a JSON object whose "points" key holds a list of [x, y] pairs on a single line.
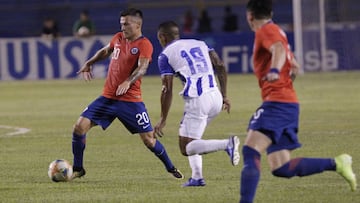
{"points": [[78, 172], [176, 173]]}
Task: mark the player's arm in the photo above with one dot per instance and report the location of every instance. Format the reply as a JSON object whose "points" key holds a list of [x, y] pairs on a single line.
{"points": [[295, 68], [278, 58], [222, 77], [165, 101], [101, 54], [143, 64]]}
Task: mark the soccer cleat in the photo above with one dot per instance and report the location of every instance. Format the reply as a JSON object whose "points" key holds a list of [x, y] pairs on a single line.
{"points": [[233, 150], [194, 183], [176, 173], [343, 167], [78, 172]]}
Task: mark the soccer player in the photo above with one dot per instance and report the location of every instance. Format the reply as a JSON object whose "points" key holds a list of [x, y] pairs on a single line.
{"points": [[121, 97], [274, 125], [194, 63]]}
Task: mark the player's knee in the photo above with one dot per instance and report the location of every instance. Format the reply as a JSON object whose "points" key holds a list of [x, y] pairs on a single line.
{"points": [[148, 143], [79, 129], [148, 139], [82, 126], [183, 151], [183, 145]]}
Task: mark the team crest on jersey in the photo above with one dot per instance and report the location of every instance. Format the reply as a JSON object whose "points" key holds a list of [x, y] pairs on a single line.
{"points": [[134, 50]]}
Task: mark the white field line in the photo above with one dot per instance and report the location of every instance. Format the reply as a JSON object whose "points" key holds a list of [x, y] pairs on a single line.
{"points": [[16, 131]]}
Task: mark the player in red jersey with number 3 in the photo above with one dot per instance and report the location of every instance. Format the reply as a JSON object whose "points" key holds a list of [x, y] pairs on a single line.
{"points": [[121, 97], [273, 127]]}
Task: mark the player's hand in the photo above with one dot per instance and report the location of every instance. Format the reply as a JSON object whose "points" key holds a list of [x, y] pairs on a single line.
{"points": [[273, 75], [226, 105], [123, 88], [86, 72], [159, 127]]}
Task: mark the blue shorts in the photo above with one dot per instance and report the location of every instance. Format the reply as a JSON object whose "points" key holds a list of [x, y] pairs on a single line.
{"points": [[133, 115], [278, 121]]}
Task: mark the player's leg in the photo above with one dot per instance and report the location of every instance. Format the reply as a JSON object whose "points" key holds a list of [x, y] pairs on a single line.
{"points": [[195, 162], [81, 127], [135, 118], [101, 112], [201, 146], [282, 166], [199, 112], [255, 143], [159, 151]]}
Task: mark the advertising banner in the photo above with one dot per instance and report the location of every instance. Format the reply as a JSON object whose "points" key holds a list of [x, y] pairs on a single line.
{"points": [[41, 59]]}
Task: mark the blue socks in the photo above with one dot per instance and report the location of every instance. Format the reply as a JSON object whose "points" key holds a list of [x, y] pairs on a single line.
{"points": [[304, 167], [78, 147], [79, 143], [250, 174], [295, 167], [160, 152]]}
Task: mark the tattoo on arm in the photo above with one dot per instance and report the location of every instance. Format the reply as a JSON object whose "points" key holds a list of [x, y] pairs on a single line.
{"points": [[140, 70]]}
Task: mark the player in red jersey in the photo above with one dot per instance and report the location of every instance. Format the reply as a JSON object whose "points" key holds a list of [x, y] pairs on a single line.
{"points": [[273, 127], [121, 98]]}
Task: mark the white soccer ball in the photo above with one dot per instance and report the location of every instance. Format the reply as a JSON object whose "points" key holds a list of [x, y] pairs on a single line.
{"points": [[60, 170]]}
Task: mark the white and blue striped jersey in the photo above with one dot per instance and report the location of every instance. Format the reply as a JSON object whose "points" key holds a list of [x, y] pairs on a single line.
{"points": [[189, 59]]}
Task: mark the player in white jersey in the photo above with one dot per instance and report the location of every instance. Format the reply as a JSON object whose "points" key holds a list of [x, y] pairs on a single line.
{"points": [[194, 63]]}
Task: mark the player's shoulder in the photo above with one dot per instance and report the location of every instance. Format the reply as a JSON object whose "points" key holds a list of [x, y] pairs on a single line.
{"points": [[270, 29], [144, 40], [187, 43], [118, 35]]}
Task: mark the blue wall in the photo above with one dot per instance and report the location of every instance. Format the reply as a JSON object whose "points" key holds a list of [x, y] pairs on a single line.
{"points": [[37, 58]]}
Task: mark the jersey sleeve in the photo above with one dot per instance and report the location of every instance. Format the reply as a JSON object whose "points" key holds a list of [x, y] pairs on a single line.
{"points": [[146, 50], [210, 48], [164, 66], [270, 35]]}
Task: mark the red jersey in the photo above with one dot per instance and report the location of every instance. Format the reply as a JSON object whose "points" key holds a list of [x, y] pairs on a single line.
{"points": [[123, 62], [281, 90]]}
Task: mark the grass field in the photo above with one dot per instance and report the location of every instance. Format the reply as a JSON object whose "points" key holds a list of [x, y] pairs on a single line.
{"points": [[121, 169]]}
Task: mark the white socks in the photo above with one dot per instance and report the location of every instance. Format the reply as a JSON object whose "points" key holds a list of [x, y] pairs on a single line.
{"points": [[205, 146], [195, 162]]}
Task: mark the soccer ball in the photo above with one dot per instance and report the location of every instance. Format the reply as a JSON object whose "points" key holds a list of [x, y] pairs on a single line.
{"points": [[60, 170]]}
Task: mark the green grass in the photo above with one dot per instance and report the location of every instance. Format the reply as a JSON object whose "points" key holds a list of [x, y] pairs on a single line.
{"points": [[121, 169]]}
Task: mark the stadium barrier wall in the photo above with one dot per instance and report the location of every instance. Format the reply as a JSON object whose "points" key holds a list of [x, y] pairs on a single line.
{"points": [[41, 59]]}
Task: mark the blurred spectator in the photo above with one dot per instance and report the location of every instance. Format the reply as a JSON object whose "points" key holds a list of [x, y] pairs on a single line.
{"points": [[188, 22], [204, 22], [230, 20], [84, 27], [50, 29]]}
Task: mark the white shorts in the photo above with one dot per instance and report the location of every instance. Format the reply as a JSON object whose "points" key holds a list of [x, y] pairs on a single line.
{"points": [[198, 112]]}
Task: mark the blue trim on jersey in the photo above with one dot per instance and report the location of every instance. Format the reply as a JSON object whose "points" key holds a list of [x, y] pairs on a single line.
{"points": [[209, 47], [199, 86], [164, 66], [186, 90], [211, 81]]}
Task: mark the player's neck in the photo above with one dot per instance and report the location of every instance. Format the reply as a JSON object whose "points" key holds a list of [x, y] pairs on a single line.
{"points": [[135, 37], [259, 23]]}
